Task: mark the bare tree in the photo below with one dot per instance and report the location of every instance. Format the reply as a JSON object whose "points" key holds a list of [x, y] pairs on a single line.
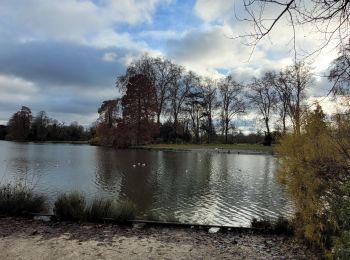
{"points": [[292, 83], [340, 71], [263, 97], [329, 17], [195, 109], [232, 102], [179, 89], [210, 103], [163, 73]]}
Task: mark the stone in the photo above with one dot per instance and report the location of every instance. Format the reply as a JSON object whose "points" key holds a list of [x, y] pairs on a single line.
{"points": [[213, 230]]}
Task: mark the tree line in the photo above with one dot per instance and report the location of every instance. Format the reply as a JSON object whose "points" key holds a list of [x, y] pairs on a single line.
{"points": [[23, 126], [162, 102]]}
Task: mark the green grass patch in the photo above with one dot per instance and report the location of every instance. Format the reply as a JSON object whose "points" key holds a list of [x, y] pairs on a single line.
{"points": [[16, 200]]}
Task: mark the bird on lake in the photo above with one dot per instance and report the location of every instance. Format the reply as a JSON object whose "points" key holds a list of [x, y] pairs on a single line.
{"points": [[134, 165], [143, 165]]}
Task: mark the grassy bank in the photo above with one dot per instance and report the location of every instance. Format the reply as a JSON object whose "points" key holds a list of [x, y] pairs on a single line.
{"points": [[210, 147]]}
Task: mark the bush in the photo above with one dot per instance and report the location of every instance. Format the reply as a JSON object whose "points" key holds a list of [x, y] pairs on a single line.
{"points": [[123, 211], [99, 209], [70, 206], [19, 201], [73, 207], [280, 226], [315, 167]]}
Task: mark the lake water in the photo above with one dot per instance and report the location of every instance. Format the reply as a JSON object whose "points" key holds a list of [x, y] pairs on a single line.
{"points": [[196, 187]]}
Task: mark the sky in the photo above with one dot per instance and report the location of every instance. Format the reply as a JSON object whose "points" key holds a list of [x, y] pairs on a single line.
{"points": [[64, 56]]}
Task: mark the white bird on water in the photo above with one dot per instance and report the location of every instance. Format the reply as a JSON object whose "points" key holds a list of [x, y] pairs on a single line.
{"points": [[143, 165], [134, 165], [138, 164]]}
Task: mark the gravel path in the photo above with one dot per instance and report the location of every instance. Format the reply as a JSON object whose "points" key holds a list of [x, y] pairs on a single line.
{"points": [[29, 239]]}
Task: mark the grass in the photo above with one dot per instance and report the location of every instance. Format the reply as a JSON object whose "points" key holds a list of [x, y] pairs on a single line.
{"points": [[123, 211], [237, 147], [73, 207], [19, 201], [70, 206], [99, 209]]}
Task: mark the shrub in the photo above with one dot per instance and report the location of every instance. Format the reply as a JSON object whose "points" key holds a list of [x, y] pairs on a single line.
{"points": [[70, 206], [19, 201], [73, 207], [280, 226], [99, 209], [315, 166], [123, 211]]}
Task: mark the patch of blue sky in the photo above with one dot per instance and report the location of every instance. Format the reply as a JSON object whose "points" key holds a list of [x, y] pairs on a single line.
{"points": [[169, 20], [224, 71]]}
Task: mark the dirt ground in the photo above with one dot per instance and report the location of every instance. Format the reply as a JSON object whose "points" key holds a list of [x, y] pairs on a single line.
{"points": [[28, 239]]}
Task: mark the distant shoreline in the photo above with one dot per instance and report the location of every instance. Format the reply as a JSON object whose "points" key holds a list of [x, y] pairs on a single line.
{"points": [[215, 148], [48, 142], [211, 148]]}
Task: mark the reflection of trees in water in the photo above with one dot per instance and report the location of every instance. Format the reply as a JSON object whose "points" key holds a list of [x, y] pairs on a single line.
{"points": [[108, 171], [22, 170], [183, 179], [115, 174]]}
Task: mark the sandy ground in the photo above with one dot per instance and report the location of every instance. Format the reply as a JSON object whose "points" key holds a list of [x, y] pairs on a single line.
{"points": [[29, 239]]}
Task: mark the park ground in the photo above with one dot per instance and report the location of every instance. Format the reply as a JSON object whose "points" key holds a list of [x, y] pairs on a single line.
{"points": [[29, 239]]}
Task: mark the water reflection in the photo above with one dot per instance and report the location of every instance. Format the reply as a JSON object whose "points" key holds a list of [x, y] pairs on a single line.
{"points": [[225, 189]]}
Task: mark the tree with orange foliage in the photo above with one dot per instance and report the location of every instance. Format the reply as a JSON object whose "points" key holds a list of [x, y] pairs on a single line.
{"points": [[139, 111]]}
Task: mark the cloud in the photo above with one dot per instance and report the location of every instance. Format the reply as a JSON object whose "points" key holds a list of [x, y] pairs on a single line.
{"points": [[55, 63], [210, 51], [209, 10], [72, 20], [57, 77]]}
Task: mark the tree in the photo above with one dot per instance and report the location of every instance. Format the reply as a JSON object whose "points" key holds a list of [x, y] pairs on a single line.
{"points": [[3, 132], [179, 89], [282, 100], [139, 110], [110, 113], [329, 17], [161, 73], [232, 102], [194, 106], [292, 84], [19, 124], [340, 71], [40, 126], [314, 168], [263, 96], [210, 103]]}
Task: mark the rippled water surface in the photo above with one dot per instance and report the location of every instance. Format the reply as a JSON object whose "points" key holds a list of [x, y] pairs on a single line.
{"points": [[199, 187]]}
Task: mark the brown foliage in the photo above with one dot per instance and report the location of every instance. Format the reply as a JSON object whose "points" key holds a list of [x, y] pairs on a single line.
{"points": [[139, 110]]}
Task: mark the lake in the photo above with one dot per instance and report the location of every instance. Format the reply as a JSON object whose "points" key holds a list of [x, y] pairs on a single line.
{"points": [[197, 187]]}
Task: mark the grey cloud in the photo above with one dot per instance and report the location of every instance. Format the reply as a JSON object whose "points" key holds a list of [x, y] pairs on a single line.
{"points": [[66, 78], [58, 63]]}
